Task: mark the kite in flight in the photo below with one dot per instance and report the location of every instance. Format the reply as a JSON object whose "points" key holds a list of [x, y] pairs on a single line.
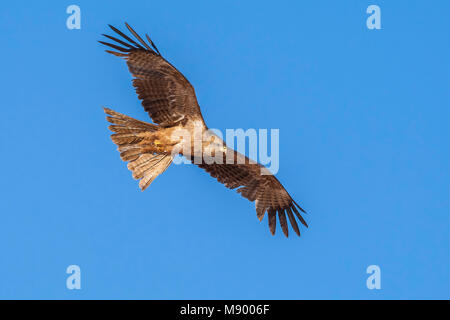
{"points": [[170, 100]]}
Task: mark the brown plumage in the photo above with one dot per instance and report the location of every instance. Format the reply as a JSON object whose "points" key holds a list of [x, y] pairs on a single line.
{"points": [[170, 100]]}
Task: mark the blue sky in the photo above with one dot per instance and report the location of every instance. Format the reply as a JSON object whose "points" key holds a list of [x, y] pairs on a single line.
{"points": [[364, 147]]}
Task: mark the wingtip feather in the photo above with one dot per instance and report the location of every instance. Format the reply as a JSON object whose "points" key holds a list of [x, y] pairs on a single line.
{"points": [[272, 221]]}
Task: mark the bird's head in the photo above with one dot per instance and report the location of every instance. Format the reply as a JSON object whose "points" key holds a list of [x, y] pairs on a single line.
{"points": [[215, 143]]}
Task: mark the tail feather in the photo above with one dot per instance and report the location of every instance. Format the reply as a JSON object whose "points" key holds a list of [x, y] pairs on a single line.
{"points": [[128, 134], [155, 171], [121, 120], [145, 162], [130, 154], [126, 138], [122, 129]]}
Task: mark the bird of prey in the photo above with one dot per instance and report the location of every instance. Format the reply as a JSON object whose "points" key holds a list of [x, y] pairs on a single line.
{"points": [[170, 100]]}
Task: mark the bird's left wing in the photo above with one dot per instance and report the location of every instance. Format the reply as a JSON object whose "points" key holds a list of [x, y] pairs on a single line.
{"points": [[166, 94], [268, 193]]}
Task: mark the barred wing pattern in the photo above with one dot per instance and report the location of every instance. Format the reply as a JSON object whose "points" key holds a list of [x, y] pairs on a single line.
{"points": [[267, 192], [166, 94]]}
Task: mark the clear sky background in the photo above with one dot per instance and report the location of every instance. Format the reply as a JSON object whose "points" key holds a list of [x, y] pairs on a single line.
{"points": [[364, 147]]}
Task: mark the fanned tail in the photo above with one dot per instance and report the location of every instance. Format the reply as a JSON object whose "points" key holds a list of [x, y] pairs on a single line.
{"points": [[128, 135]]}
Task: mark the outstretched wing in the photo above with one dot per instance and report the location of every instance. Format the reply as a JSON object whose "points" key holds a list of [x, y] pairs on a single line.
{"points": [[268, 193], [166, 94]]}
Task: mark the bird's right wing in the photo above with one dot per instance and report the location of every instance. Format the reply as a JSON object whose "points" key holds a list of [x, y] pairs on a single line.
{"points": [[166, 94], [255, 183]]}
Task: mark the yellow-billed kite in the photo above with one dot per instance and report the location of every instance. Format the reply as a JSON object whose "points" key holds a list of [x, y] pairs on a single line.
{"points": [[170, 100]]}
